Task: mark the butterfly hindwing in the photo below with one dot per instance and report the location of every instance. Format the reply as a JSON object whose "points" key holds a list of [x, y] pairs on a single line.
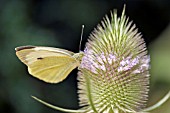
{"points": [[46, 63]]}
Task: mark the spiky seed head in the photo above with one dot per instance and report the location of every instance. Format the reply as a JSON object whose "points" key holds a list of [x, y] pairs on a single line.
{"points": [[114, 69]]}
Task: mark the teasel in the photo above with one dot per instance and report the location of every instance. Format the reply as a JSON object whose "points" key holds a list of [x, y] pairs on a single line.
{"points": [[114, 74]]}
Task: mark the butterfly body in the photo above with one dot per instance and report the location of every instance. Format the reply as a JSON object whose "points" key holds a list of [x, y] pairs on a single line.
{"points": [[49, 64]]}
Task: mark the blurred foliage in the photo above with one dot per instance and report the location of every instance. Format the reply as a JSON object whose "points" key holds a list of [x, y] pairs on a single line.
{"points": [[58, 23]]}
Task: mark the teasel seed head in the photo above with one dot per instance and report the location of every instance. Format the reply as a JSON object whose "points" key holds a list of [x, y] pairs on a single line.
{"points": [[113, 74]]}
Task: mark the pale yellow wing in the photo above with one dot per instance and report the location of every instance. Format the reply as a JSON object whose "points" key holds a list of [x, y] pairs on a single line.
{"points": [[46, 63]]}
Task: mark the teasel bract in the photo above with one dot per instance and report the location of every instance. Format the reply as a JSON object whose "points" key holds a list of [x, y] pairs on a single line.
{"points": [[114, 74]]}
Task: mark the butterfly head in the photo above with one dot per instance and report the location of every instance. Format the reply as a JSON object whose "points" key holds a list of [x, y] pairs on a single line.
{"points": [[78, 56]]}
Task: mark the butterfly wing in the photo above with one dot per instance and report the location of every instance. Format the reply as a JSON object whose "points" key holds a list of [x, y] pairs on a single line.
{"points": [[49, 64]]}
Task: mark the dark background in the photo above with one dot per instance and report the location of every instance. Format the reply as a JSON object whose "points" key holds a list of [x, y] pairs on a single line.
{"points": [[57, 23]]}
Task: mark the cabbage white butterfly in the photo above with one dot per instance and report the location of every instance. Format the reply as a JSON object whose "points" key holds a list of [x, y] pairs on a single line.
{"points": [[49, 64]]}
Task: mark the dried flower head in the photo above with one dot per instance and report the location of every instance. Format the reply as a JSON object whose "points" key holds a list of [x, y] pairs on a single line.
{"points": [[114, 76]]}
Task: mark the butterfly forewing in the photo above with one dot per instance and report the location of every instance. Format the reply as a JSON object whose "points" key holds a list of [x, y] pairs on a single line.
{"points": [[46, 63]]}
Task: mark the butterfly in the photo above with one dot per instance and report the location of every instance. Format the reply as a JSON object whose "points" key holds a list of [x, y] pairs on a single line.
{"points": [[49, 64]]}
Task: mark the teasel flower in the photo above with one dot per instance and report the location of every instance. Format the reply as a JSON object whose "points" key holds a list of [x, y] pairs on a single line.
{"points": [[116, 65], [114, 71]]}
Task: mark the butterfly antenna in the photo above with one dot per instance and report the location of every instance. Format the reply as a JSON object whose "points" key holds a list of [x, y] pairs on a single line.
{"points": [[81, 37]]}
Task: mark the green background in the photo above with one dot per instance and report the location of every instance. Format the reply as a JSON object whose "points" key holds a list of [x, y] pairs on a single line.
{"points": [[57, 23]]}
